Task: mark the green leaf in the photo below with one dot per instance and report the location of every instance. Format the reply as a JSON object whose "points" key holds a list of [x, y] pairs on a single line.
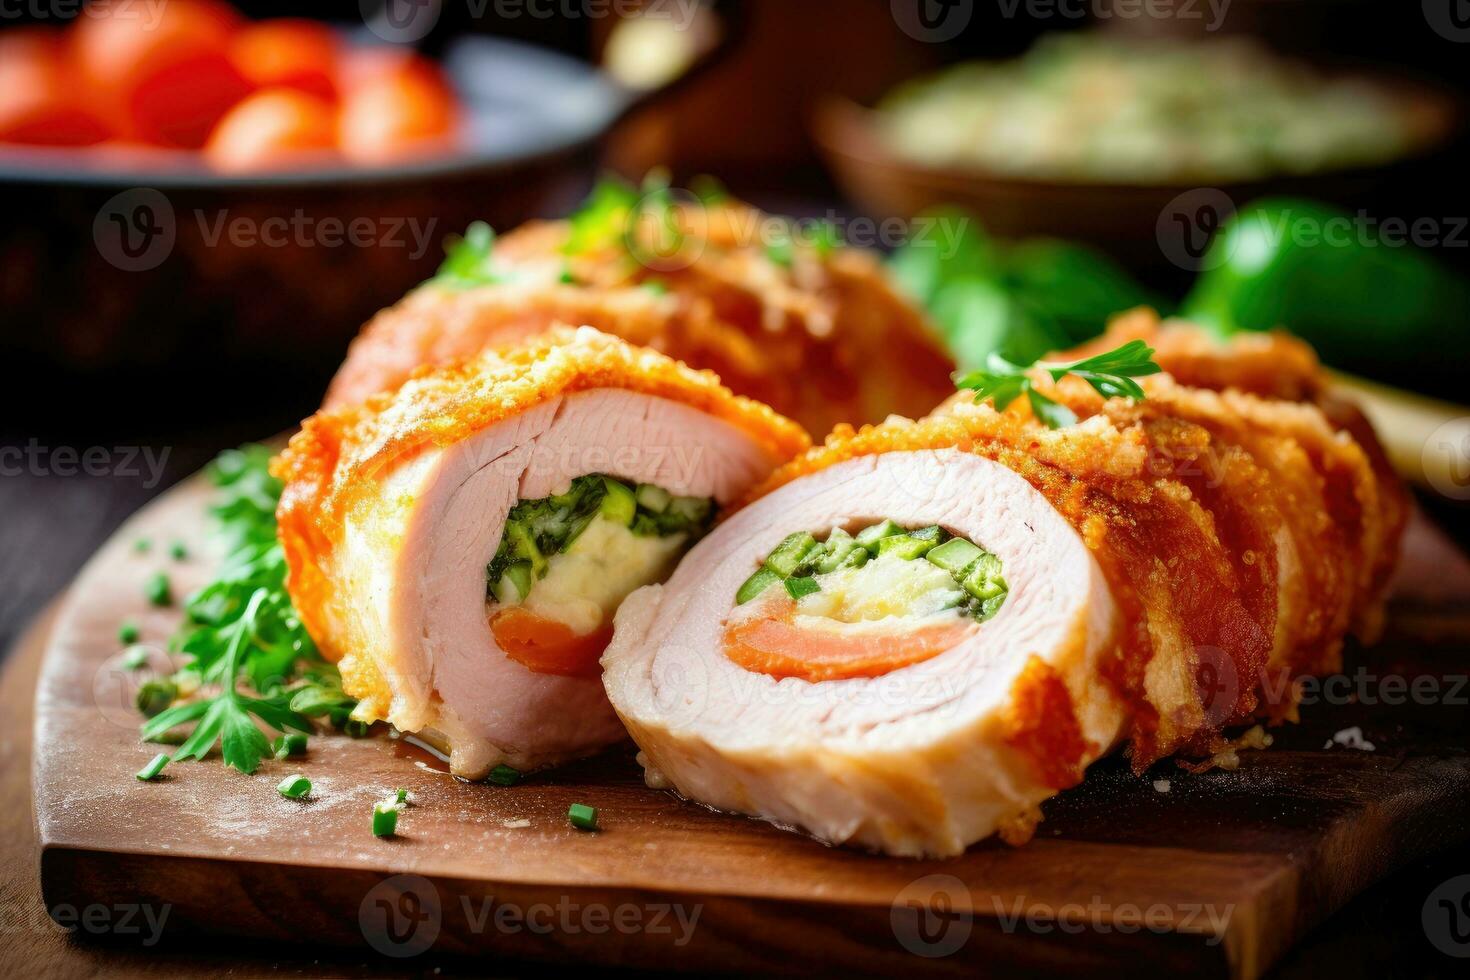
{"points": [[240, 628], [1110, 373], [242, 744], [468, 259], [1055, 416]]}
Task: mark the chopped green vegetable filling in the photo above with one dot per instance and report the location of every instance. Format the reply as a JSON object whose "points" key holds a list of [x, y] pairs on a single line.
{"points": [[537, 530], [800, 557]]}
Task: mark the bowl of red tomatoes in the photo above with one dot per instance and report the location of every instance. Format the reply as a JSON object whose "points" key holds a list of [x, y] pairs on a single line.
{"points": [[183, 184]]}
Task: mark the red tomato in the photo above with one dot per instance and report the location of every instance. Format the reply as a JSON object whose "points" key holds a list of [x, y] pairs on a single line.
{"points": [[37, 106], [394, 106], [272, 127], [162, 70], [289, 51]]}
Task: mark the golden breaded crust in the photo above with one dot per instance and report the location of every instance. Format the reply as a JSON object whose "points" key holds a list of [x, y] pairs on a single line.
{"points": [[1185, 500], [334, 461], [823, 338]]}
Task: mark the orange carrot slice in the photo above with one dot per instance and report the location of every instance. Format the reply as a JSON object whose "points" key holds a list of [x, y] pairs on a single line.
{"points": [[545, 646], [776, 646]]}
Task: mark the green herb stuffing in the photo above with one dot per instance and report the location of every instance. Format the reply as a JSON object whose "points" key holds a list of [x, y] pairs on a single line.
{"points": [[1111, 374], [800, 556], [536, 530], [250, 659]]}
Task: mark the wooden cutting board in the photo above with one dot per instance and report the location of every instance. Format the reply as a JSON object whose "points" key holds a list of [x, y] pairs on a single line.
{"points": [[1217, 873]]}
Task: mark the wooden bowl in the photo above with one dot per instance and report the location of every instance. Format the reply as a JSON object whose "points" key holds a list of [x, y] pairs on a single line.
{"points": [[1121, 219]]}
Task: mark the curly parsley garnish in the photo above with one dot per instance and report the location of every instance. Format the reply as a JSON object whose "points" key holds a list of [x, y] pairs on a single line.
{"points": [[248, 652], [1111, 374]]}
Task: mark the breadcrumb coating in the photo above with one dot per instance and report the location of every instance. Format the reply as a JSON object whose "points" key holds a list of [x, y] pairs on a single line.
{"points": [[823, 338], [334, 461], [1243, 537]]}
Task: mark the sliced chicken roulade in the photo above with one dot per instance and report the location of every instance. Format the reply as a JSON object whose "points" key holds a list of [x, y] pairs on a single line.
{"points": [[918, 632], [914, 663], [460, 546]]}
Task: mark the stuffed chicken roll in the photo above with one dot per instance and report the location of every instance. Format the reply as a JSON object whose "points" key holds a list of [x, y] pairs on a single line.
{"points": [[900, 651], [920, 631], [461, 545]]}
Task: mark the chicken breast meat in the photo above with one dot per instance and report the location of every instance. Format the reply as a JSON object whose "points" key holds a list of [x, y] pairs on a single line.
{"points": [[460, 545]]}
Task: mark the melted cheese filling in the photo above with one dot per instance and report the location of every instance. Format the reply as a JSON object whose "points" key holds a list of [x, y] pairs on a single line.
{"points": [[585, 584]]}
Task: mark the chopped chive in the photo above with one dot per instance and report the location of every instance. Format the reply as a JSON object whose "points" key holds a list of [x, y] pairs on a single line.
{"points": [[292, 743], [763, 579], [504, 776], [385, 818], [155, 766], [155, 696], [135, 658], [356, 729], [158, 590], [177, 551], [142, 546], [400, 795], [582, 816], [802, 585], [294, 787], [127, 632]]}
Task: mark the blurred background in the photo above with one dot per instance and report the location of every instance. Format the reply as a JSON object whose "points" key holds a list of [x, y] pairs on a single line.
{"points": [[202, 205]]}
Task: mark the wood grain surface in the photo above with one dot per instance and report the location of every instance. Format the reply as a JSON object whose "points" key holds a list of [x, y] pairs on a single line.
{"points": [[1218, 875]]}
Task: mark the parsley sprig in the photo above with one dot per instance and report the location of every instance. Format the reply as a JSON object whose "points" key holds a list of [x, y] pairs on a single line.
{"points": [[251, 662], [1111, 374]]}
